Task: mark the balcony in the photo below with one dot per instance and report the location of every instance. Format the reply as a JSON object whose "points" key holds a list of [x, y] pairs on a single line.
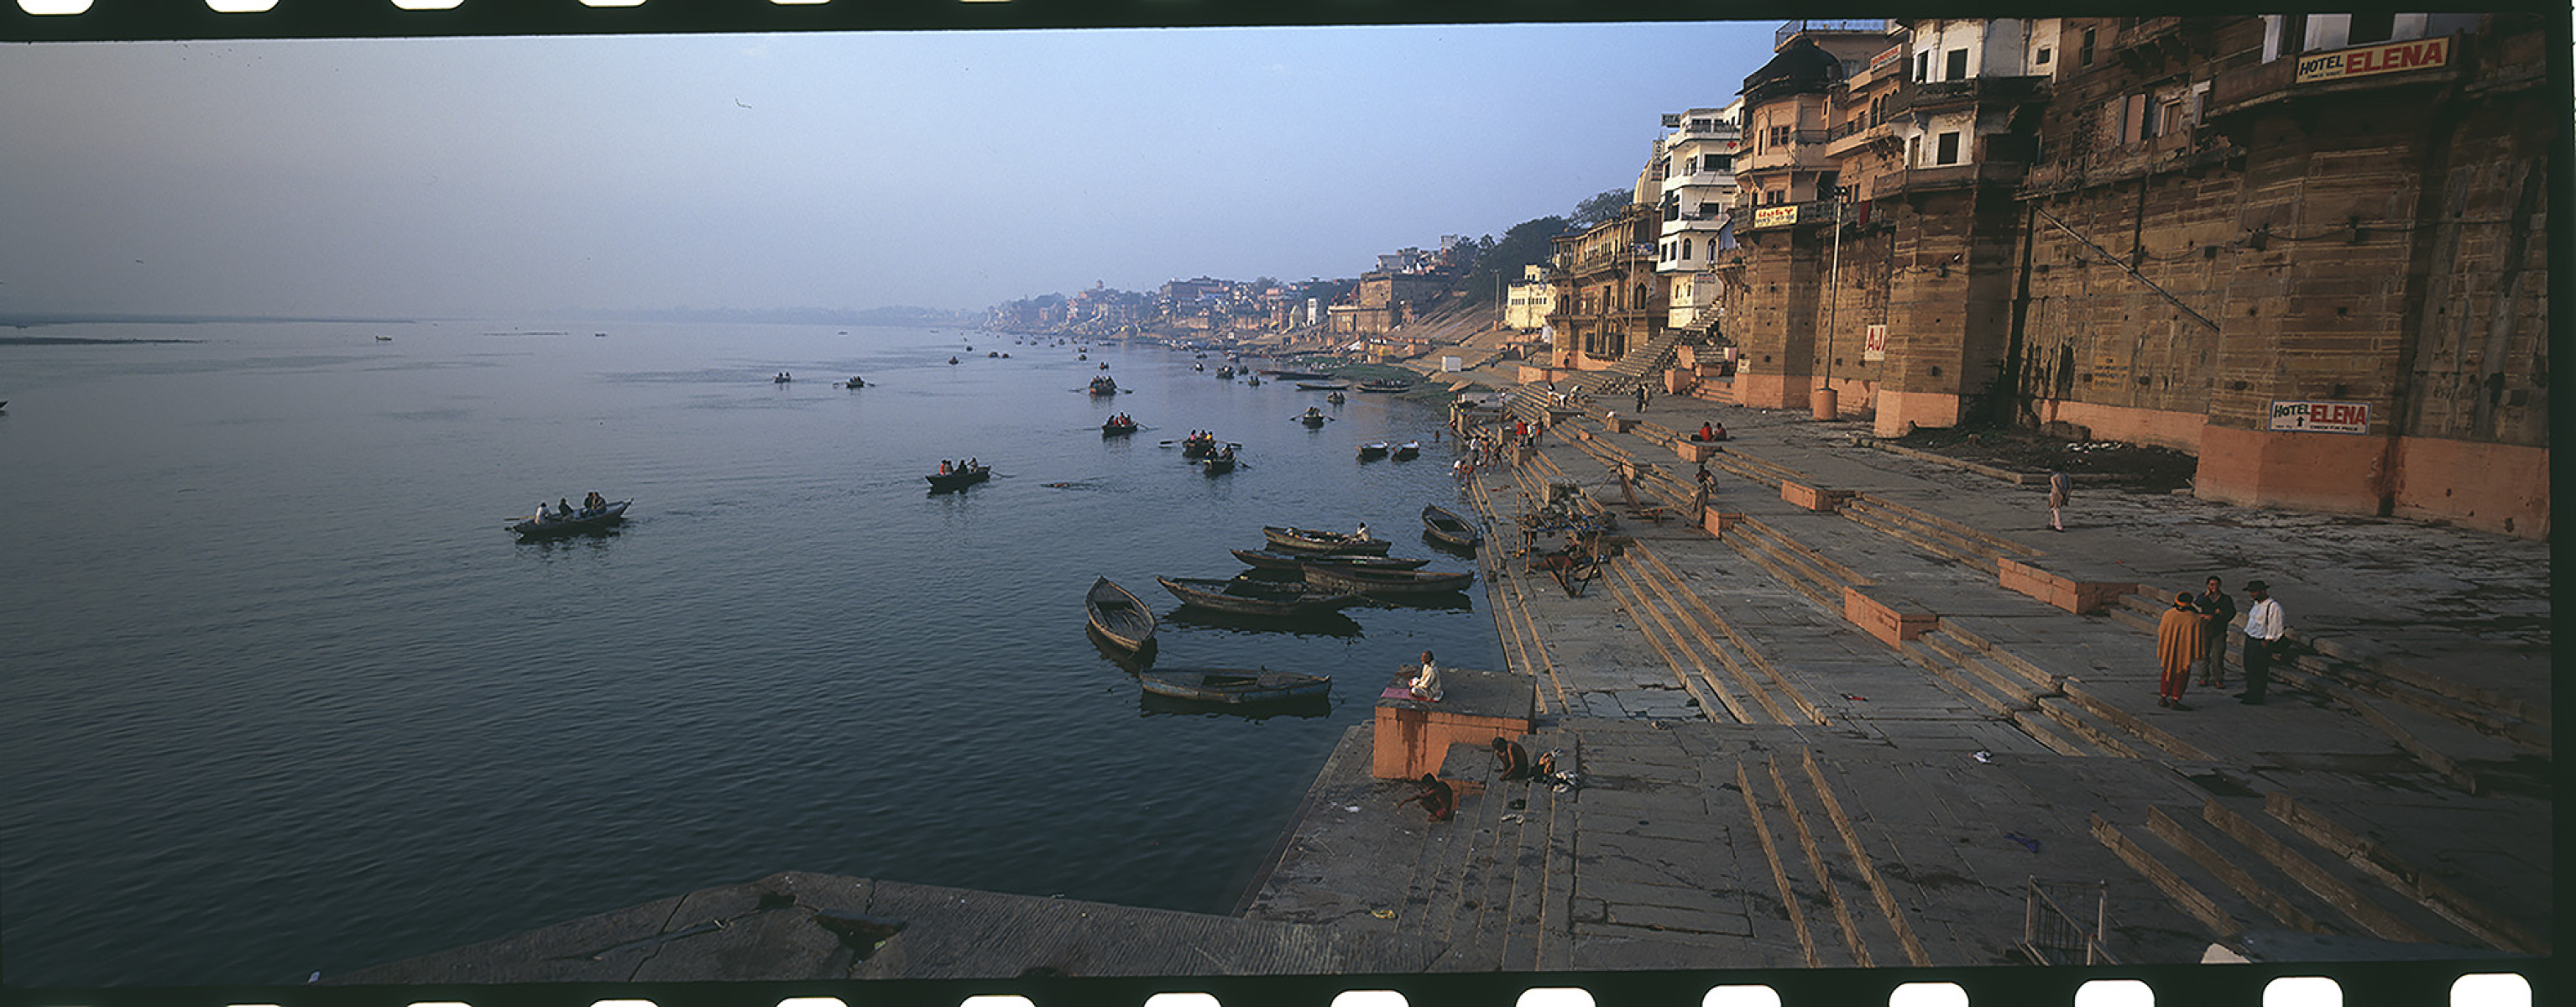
{"points": [[1948, 95], [1842, 140], [1805, 149], [1948, 177], [2442, 59]]}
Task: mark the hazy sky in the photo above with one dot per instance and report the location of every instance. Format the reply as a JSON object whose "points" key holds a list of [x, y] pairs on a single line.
{"points": [[484, 177]]}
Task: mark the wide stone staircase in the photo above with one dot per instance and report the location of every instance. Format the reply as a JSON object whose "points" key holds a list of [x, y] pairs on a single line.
{"points": [[1491, 885], [1656, 355]]}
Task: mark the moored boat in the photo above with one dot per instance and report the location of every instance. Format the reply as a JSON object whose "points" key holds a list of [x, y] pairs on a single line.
{"points": [[1118, 615], [1446, 527], [1314, 386], [1386, 386], [1234, 686], [1373, 451], [1295, 562], [1334, 577], [1407, 450], [586, 520], [1243, 596], [1298, 375], [1308, 540], [952, 481]]}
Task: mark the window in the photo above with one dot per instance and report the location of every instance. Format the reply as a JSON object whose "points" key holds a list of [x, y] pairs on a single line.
{"points": [[1922, 66], [2368, 28], [1664, 168], [1949, 149], [1958, 68], [2043, 56], [2084, 53], [1721, 162], [1686, 249], [1708, 211]]}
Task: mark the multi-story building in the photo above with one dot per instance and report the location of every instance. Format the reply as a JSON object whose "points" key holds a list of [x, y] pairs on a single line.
{"points": [[1528, 302], [1695, 168], [2308, 249], [1608, 299]]}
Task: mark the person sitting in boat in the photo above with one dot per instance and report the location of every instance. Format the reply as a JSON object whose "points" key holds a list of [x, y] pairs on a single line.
{"points": [[1514, 759], [943, 467], [1426, 682], [1436, 798], [971, 465], [563, 506], [1362, 535]]}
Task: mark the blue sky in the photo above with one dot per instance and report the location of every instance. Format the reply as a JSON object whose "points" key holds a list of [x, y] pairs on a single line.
{"points": [[489, 177]]}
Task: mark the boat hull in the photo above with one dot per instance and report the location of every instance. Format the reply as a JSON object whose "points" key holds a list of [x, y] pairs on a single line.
{"points": [[1386, 582], [1255, 597], [1234, 687], [1448, 528], [612, 517], [955, 481], [1293, 562], [1118, 615], [1324, 542]]}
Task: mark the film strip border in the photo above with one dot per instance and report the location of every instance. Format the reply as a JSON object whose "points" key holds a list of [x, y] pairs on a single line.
{"points": [[2350, 984], [141, 20], [2479, 983]]}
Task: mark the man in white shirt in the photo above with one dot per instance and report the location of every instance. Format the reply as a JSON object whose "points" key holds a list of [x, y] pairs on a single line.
{"points": [[1426, 682], [2264, 625]]}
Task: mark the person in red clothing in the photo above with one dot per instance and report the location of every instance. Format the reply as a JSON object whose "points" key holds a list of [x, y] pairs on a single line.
{"points": [[2177, 646]]}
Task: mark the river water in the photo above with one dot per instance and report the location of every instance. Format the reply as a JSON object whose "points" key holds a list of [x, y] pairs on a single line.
{"points": [[279, 694]]}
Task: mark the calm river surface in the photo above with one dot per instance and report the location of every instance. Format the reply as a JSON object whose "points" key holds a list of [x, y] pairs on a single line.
{"points": [[278, 694]]}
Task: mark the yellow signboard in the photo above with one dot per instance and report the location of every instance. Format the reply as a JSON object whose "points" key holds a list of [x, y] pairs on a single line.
{"points": [[1774, 216], [2375, 59]]}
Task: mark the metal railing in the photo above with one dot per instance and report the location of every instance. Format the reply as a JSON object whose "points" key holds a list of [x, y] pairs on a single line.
{"points": [[2051, 935]]}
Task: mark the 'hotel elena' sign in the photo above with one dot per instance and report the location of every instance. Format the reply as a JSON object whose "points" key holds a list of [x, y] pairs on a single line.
{"points": [[2322, 417], [2375, 59], [1774, 216]]}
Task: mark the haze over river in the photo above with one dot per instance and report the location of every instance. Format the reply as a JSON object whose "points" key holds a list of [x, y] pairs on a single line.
{"points": [[279, 694]]}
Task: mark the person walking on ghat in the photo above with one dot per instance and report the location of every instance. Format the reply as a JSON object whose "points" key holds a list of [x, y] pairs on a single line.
{"points": [[1641, 398], [2060, 486], [2264, 626], [2177, 646], [2216, 611]]}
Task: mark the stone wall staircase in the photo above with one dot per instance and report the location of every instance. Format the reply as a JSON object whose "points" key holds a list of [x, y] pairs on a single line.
{"points": [[1491, 885]]}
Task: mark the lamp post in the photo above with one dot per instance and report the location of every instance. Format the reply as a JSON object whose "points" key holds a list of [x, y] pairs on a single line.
{"points": [[1826, 407]]}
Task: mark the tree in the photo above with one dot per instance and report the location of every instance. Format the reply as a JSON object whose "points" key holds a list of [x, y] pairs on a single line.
{"points": [[1600, 208], [1500, 261]]}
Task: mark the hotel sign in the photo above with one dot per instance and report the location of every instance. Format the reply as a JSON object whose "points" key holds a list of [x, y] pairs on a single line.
{"points": [[2375, 59], [1892, 54], [2321, 417], [1775, 216]]}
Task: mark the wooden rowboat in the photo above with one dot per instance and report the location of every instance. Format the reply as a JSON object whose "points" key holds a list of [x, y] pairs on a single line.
{"points": [[551, 527], [959, 480], [1378, 582], [1119, 617], [1242, 596], [1322, 386], [1294, 562], [1308, 540], [1408, 450], [1234, 686], [1448, 528], [1373, 450]]}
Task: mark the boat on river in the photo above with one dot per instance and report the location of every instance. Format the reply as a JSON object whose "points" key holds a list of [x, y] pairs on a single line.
{"points": [[1322, 386], [1446, 527], [1220, 462], [1333, 577], [1104, 385], [854, 382], [1198, 446], [1298, 375], [953, 481], [1118, 427], [1308, 540], [1314, 417], [1336, 398], [585, 520], [1386, 386], [1265, 559], [1118, 615], [1373, 451], [1246, 596], [1408, 450], [1234, 686], [1225, 373]]}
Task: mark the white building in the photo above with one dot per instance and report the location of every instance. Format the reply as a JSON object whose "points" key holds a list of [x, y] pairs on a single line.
{"points": [[1528, 303], [1695, 167]]}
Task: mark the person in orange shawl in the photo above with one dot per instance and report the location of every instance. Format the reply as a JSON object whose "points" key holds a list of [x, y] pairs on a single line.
{"points": [[2177, 645]]}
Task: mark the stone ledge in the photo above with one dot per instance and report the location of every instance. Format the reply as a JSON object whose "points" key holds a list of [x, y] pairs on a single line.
{"points": [[1820, 499], [1892, 616], [2072, 592]]}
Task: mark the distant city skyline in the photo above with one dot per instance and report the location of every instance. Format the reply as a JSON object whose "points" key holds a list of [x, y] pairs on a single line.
{"points": [[946, 170]]}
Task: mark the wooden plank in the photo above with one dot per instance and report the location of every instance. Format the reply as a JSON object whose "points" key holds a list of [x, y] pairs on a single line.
{"points": [[2315, 879], [2165, 880], [2174, 835]]}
